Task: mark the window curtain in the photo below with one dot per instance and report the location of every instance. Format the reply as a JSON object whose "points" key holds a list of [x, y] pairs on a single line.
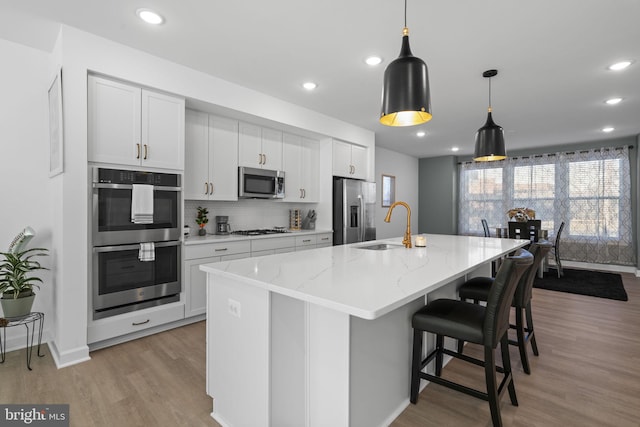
{"points": [[589, 190]]}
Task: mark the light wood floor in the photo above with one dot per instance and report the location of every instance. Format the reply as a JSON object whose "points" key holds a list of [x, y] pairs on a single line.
{"points": [[588, 374]]}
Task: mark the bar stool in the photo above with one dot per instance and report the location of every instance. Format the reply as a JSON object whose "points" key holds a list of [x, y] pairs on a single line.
{"points": [[478, 289], [475, 323]]}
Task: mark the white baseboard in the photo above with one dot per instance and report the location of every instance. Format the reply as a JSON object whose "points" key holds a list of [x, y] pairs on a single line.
{"points": [[68, 357]]}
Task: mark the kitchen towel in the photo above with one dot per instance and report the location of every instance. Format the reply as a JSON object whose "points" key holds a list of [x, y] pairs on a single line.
{"points": [[147, 252], [142, 204]]}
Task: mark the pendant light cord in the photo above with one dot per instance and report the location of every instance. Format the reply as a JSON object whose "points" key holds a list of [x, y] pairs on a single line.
{"points": [[405, 13], [489, 94]]}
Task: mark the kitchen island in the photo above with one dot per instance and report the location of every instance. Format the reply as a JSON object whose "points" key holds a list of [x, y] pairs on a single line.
{"points": [[323, 337]]}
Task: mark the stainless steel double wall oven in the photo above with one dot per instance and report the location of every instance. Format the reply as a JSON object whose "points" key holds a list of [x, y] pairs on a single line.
{"points": [[121, 281]]}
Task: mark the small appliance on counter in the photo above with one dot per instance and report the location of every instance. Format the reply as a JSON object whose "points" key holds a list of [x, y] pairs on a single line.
{"points": [[222, 225], [309, 223]]}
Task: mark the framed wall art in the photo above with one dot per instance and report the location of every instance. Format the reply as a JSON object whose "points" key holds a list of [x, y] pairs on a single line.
{"points": [[56, 140], [388, 190]]}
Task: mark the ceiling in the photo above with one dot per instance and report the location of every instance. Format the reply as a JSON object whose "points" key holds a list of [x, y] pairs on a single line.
{"points": [[552, 58]]}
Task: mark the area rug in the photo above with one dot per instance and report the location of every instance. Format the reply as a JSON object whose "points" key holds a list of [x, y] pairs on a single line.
{"points": [[584, 282]]}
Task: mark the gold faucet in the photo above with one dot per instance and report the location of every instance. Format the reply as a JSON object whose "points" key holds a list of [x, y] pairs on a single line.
{"points": [[407, 234]]}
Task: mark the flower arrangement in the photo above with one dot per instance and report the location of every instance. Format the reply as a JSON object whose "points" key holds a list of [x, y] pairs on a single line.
{"points": [[521, 214]]}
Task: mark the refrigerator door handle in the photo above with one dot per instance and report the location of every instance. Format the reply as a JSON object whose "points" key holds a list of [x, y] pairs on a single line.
{"points": [[361, 217]]}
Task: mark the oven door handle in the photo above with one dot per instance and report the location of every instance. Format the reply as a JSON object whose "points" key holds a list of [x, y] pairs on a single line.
{"points": [[99, 249], [130, 187]]}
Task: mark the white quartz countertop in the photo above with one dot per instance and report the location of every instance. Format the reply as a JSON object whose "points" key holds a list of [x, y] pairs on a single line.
{"points": [[366, 283], [215, 238]]}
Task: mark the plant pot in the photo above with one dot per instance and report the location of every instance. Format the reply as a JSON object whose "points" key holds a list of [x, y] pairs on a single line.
{"points": [[16, 307], [202, 232]]}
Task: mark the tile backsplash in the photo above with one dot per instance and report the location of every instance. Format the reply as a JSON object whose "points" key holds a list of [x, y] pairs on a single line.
{"points": [[245, 214]]}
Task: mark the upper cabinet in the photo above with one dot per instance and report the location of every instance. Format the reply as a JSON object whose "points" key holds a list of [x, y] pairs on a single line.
{"points": [[129, 125], [300, 158], [349, 160], [211, 161], [259, 147]]}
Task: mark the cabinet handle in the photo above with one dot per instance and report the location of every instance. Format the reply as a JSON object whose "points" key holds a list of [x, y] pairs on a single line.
{"points": [[304, 193], [306, 241], [137, 151], [146, 149], [212, 188], [220, 250], [264, 162], [301, 193], [259, 159], [206, 188], [324, 238], [140, 323]]}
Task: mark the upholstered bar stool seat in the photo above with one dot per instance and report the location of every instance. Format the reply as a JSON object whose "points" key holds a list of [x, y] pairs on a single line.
{"points": [[478, 289], [483, 325]]}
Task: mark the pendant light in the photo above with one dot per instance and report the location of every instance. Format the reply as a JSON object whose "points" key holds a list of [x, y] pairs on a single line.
{"points": [[490, 137], [406, 100]]}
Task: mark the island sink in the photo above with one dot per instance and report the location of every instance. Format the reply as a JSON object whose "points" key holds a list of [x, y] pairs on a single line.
{"points": [[380, 247]]}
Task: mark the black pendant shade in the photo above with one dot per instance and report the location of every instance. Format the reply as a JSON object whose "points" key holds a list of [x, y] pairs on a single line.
{"points": [[490, 137], [406, 100]]}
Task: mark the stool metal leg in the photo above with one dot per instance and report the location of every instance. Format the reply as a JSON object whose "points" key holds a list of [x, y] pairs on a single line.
{"points": [[415, 365], [530, 330], [439, 354], [522, 343], [492, 385]]}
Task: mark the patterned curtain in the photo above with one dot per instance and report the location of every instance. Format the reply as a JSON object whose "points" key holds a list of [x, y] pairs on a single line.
{"points": [[589, 190]]}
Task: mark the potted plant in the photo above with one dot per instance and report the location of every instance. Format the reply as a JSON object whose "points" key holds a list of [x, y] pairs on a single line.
{"points": [[202, 220], [17, 281]]}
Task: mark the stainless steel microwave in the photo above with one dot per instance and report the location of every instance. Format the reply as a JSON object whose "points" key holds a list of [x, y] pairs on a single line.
{"points": [[256, 183]]}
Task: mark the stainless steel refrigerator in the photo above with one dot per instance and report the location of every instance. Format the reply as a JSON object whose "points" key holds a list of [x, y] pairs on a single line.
{"points": [[353, 211]]}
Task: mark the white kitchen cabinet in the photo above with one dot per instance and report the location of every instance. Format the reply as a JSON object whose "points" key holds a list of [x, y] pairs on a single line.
{"points": [[211, 160], [195, 281], [324, 240], [129, 125], [350, 160], [300, 161], [259, 147], [305, 242]]}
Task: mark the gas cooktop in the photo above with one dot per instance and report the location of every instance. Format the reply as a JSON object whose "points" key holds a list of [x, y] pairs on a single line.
{"points": [[260, 231]]}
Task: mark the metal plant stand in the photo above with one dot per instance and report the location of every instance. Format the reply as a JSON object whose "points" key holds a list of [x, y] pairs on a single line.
{"points": [[29, 322]]}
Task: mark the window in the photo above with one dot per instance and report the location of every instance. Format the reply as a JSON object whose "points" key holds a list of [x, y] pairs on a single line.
{"points": [[588, 190]]}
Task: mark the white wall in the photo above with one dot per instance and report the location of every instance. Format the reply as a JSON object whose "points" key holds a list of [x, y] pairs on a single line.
{"points": [[25, 198], [405, 169]]}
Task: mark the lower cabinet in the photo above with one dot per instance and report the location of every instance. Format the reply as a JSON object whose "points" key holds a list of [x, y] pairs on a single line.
{"points": [[195, 281], [134, 322]]}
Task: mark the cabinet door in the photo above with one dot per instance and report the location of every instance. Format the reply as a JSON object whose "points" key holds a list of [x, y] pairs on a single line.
{"points": [[162, 130], [196, 164], [310, 170], [272, 149], [223, 158], [114, 122], [195, 287], [359, 161], [291, 164], [250, 145], [341, 158]]}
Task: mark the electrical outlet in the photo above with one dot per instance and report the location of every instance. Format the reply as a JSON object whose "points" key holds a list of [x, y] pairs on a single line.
{"points": [[234, 307]]}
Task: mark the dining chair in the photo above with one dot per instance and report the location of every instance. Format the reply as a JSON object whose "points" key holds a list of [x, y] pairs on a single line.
{"points": [[483, 325], [485, 227], [556, 250]]}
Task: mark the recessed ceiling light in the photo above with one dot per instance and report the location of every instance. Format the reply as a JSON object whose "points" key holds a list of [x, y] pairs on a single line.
{"points": [[421, 133], [620, 65], [455, 149], [608, 129], [373, 60], [149, 16], [309, 85], [613, 101]]}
